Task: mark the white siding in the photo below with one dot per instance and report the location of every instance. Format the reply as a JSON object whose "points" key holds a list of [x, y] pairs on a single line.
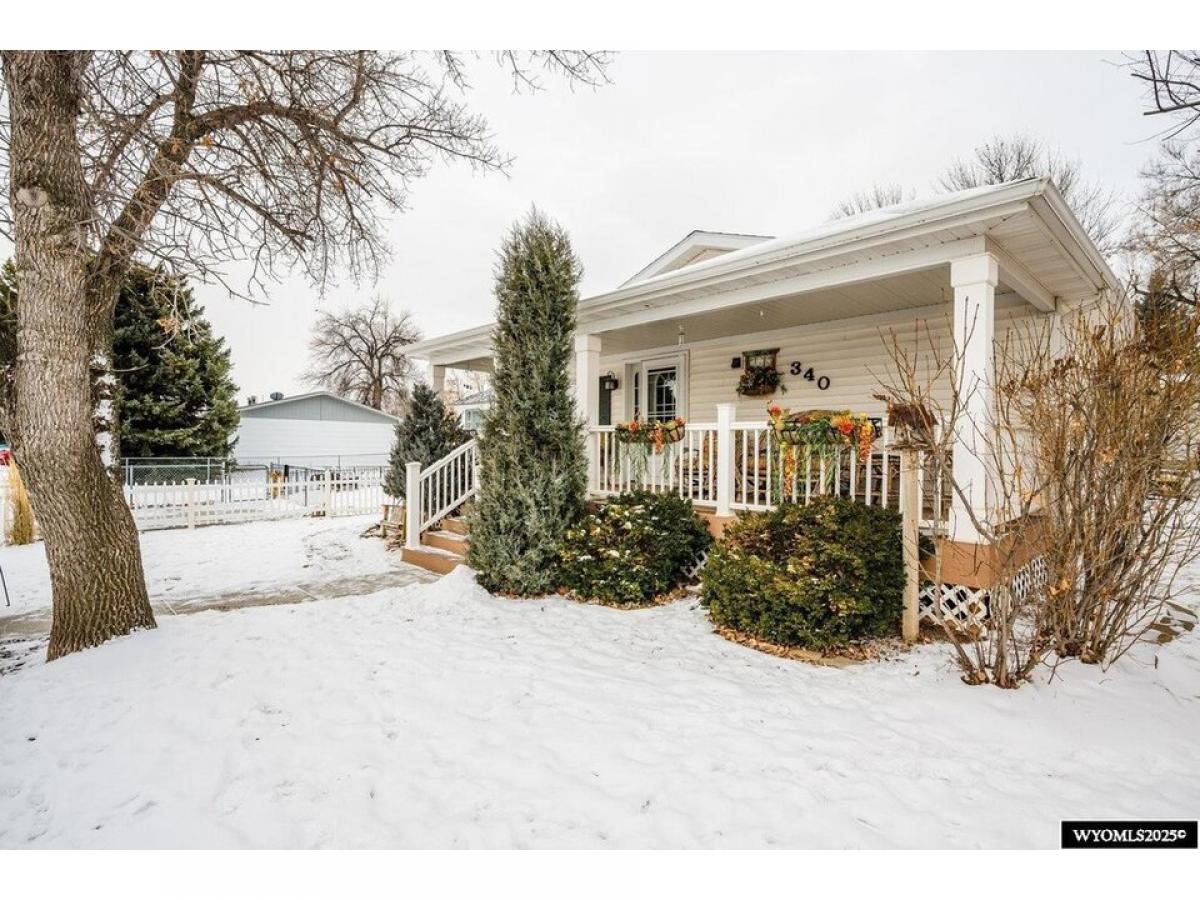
{"points": [[852, 353], [310, 442]]}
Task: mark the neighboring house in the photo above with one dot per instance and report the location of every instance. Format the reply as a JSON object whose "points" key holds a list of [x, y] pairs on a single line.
{"points": [[470, 409], [316, 430], [674, 339]]}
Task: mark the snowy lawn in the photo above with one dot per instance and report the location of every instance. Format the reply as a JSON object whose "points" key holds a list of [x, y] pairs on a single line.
{"points": [[439, 716], [184, 566]]}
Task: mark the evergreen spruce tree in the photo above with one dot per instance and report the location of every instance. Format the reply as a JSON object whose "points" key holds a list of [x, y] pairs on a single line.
{"points": [[425, 435], [532, 469], [174, 387], [177, 397]]}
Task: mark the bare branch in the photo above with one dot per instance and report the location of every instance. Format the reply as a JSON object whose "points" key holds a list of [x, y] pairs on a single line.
{"points": [[359, 353]]}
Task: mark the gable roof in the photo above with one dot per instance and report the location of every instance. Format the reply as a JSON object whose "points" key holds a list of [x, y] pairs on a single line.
{"points": [[479, 398], [327, 395], [696, 246]]}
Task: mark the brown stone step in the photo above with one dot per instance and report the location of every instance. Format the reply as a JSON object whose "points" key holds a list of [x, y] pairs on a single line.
{"points": [[450, 541], [456, 524], [431, 559]]}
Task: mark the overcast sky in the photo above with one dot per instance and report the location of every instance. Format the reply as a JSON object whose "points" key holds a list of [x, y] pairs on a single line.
{"points": [[748, 142]]}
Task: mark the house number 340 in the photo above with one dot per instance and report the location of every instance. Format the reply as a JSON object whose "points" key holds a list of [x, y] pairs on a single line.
{"points": [[808, 375]]}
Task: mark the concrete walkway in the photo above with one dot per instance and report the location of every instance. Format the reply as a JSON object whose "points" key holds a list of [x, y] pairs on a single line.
{"points": [[23, 636]]}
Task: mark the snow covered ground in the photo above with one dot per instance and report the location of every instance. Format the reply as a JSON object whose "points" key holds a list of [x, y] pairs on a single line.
{"points": [[257, 558], [437, 715]]}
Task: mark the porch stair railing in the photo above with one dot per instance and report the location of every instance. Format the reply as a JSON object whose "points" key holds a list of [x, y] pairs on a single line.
{"points": [[435, 491]]}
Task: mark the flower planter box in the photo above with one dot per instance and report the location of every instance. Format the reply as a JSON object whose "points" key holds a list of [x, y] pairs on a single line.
{"points": [[826, 431], [656, 434], [759, 381], [760, 390]]}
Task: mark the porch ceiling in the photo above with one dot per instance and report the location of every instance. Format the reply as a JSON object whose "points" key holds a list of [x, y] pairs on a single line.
{"points": [[912, 290]]}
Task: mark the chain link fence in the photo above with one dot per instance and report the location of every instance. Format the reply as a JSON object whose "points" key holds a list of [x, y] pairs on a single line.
{"points": [[175, 469], [213, 469]]}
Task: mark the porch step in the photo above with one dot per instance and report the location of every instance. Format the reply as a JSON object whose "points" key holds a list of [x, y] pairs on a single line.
{"points": [[452, 541], [456, 524], [442, 550], [432, 559]]}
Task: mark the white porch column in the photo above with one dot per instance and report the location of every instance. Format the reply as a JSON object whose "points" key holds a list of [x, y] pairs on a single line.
{"points": [[974, 280], [726, 413], [587, 396], [437, 379]]}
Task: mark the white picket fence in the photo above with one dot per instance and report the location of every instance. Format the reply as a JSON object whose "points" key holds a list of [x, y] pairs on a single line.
{"points": [[190, 503]]}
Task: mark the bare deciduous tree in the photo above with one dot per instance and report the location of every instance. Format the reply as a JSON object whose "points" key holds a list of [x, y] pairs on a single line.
{"points": [[1012, 158], [359, 353], [461, 384], [1004, 159], [1166, 239], [877, 197], [188, 160], [1173, 81]]}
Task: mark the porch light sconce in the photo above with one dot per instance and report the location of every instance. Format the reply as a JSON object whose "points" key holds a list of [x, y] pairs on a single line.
{"points": [[735, 363], [609, 382]]}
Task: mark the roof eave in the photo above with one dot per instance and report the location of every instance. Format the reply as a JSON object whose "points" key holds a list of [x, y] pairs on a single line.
{"points": [[1038, 194], [296, 397], [938, 216], [1061, 221]]}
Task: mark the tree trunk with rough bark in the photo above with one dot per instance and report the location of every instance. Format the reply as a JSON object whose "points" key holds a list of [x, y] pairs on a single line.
{"points": [[63, 318]]}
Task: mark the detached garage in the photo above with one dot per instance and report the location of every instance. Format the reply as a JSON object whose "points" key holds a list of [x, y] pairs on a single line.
{"points": [[316, 430]]}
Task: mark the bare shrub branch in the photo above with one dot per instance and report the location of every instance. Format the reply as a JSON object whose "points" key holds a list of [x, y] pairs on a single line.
{"points": [[1091, 450]]}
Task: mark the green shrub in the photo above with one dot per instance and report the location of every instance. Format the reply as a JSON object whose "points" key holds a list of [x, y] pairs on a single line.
{"points": [[634, 548], [816, 576]]}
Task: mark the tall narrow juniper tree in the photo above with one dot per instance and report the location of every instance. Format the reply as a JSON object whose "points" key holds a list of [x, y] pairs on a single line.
{"points": [[425, 435], [532, 471]]}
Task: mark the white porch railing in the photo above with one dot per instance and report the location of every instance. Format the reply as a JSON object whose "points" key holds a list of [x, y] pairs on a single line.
{"points": [[689, 468], [433, 492], [756, 473]]}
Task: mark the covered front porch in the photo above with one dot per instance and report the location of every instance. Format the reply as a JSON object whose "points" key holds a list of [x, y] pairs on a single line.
{"points": [[823, 306]]}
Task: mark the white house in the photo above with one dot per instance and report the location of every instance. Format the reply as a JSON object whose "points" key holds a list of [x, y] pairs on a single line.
{"points": [[471, 408], [317, 430], [673, 339]]}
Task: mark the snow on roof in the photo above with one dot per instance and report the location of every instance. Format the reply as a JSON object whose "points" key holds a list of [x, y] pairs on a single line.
{"points": [[695, 246], [479, 398], [262, 404], [838, 226], [840, 232]]}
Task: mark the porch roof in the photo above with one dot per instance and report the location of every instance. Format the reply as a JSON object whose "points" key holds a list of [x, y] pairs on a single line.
{"points": [[879, 261]]}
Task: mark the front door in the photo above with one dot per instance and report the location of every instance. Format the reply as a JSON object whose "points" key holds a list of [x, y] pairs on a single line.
{"points": [[658, 389]]}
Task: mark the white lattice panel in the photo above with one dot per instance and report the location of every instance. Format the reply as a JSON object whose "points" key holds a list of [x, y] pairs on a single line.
{"points": [[965, 605], [693, 571], [969, 606], [1031, 577]]}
